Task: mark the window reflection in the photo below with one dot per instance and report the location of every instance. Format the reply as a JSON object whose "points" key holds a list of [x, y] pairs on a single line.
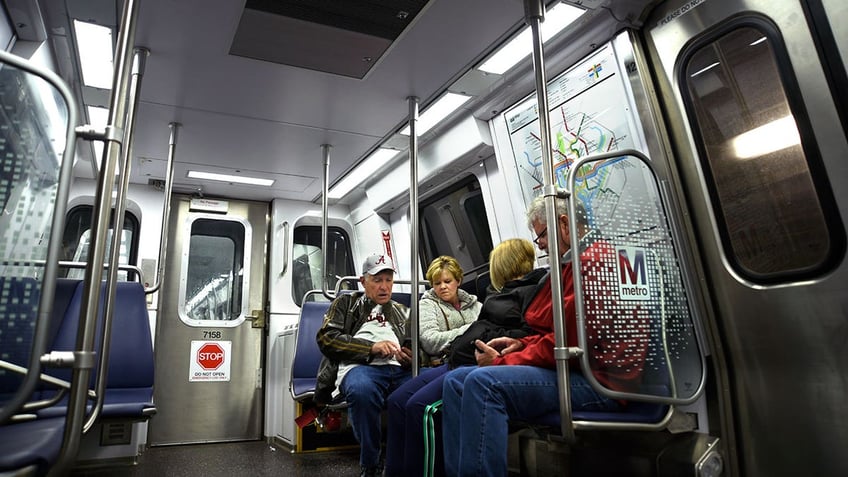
{"points": [[766, 201], [214, 275]]}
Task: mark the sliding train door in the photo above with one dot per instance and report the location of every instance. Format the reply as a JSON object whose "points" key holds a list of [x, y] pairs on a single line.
{"points": [[751, 92], [209, 337]]}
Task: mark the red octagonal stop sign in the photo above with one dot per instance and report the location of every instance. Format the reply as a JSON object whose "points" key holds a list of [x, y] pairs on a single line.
{"points": [[210, 356]]}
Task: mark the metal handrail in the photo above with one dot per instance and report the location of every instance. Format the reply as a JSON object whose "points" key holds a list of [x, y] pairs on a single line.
{"points": [[166, 209], [413, 226], [96, 251], [139, 61], [534, 15]]}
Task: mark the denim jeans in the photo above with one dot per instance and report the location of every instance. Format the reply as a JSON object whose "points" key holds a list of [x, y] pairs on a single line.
{"points": [[365, 388], [479, 402], [405, 439]]}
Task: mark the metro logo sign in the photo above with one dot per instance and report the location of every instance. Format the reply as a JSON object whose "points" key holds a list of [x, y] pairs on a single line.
{"points": [[210, 361], [210, 356], [633, 274]]}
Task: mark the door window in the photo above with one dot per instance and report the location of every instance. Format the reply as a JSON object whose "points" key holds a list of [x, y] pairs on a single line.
{"points": [[213, 286]]}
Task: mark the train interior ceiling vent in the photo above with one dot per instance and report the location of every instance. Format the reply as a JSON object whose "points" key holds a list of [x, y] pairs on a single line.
{"points": [[342, 38]]}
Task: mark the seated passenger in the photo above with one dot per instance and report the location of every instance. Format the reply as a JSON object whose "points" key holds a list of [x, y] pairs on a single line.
{"points": [[509, 261], [361, 341], [516, 378], [445, 311]]}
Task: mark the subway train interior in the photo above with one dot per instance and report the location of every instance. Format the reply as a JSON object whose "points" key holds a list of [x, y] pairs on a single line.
{"points": [[257, 151]]}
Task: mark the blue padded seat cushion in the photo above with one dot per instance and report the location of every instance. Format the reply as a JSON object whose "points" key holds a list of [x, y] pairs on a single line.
{"points": [[129, 384], [307, 357], [30, 443]]}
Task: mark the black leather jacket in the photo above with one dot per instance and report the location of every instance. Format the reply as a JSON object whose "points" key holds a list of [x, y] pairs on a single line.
{"points": [[336, 339]]}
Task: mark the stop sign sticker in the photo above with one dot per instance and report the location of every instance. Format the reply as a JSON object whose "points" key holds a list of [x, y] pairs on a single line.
{"points": [[210, 361]]}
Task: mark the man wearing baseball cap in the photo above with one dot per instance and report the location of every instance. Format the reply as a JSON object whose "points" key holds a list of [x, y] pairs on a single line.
{"points": [[363, 358]]}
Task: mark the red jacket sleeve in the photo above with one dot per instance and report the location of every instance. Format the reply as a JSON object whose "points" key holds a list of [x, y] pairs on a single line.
{"points": [[539, 349]]}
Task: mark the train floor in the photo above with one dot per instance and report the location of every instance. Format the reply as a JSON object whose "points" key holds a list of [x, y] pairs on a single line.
{"points": [[253, 458]]}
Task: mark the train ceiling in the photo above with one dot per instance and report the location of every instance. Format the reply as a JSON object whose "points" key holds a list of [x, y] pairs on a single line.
{"points": [[259, 86]]}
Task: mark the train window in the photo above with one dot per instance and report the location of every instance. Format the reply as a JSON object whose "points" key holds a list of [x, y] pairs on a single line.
{"points": [[766, 197], [453, 222], [76, 238], [307, 266], [213, 271]]}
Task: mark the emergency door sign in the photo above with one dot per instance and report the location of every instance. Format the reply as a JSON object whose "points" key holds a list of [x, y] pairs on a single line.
{"points": [[210, 360]]}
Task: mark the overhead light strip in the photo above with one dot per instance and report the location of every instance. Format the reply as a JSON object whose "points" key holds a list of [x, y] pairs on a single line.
{"points": [[520, 47], [364, 170], [439, 110], [94, 45], [230, 178]]}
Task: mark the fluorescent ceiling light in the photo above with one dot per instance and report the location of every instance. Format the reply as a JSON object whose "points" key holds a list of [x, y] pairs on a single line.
{"points": [[364, 170], [230, 178], [704, 70], [437, 111], [556, 19], [94, 44], [771, 137]]}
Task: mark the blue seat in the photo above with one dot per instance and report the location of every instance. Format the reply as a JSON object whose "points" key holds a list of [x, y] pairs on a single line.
{"points": [[31, 445], [402, 298], [129, 380], [307, 356], [19, 298]]}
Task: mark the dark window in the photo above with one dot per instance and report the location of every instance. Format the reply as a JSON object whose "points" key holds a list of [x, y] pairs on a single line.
{"points": [[758, 155], [307, 258], [453, 222], [77, 236]]}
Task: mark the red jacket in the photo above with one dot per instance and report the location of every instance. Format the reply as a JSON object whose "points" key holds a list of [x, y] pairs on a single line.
{"points": [[617, 339]]}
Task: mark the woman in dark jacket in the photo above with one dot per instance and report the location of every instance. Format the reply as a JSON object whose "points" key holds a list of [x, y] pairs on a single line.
{"points": [[511, 271]]}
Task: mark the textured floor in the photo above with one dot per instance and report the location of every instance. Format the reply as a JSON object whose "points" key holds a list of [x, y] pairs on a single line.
{"points": [[256, 458]]}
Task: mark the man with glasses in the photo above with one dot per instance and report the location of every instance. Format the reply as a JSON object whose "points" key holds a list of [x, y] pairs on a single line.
{"points": [[516, 378]]}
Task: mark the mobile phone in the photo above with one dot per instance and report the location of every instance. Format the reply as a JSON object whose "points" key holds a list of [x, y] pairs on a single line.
{"points": [[407, 343]]}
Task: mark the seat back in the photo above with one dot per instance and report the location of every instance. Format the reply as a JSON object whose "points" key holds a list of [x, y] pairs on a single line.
{"points": [[19, 298], [129, 378], [307, 355]]}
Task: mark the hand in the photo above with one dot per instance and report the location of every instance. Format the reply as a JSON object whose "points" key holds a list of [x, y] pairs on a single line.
{"points": [[485, 354], [505, 345], [384, 349], [404, 356]]}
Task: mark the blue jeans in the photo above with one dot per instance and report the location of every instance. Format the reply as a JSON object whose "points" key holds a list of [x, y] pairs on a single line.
{"points": [[365, 388], [405, 439], [479, 402]]}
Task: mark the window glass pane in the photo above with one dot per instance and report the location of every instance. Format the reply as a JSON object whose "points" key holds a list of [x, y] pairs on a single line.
{"points": [[765, 198], [453, 222], [307, 259], [213, 281], [77, 236]]}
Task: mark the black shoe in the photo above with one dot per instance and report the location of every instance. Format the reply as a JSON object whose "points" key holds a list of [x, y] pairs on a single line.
{"points": [[371, 472]]}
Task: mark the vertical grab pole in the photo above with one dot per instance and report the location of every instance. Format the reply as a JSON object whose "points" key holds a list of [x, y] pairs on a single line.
{"points": [[166, 208], [84, 359], [534, 15], [139, 62], [325, 210], [413, 229]]}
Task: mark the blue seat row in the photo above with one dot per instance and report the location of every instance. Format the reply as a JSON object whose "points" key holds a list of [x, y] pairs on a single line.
{"points": [[35, 444]]}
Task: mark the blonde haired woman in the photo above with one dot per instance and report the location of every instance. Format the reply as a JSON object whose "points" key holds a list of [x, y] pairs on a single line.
{"points": [[445, 310], [511, 260]]}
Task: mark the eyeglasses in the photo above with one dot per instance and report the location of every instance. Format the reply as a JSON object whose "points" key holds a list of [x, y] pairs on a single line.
{"points": [[541, 236]]}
